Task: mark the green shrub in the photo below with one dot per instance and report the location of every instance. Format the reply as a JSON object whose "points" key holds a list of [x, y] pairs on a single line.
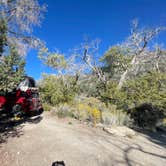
{"points": [[147, 116], [148, 88], [46, 107], [63, 110], [146, 99], [83, 109], [57, 89], [95, 111], [113, 95]]}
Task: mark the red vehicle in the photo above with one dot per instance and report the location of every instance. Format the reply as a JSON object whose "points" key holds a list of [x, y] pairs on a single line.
{"points": [[22, 101]]}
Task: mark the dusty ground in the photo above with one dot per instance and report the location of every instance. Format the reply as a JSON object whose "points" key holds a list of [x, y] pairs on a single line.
{"points": [[41, 141]]}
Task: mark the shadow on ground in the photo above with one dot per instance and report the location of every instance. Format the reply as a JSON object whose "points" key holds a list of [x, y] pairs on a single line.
{"points": [[158, 137], [138, 148], [10, 128], [146, 148], [136, 154]]}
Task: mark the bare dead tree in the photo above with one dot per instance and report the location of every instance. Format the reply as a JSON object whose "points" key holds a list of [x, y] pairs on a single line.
{"points": [[88, 57], [137, 45]]}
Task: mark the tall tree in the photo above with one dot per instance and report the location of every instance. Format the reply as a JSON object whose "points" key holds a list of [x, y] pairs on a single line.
{"points": [[134, 56], [116, 61], [137, 46], [17, 18], [11, 70]]}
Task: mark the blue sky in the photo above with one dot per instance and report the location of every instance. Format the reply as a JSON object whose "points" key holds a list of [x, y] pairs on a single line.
{"points": [[66, 23]]}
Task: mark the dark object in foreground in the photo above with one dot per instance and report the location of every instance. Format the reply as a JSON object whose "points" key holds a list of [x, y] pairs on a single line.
{"points": [[22, 101], [58, 163]]}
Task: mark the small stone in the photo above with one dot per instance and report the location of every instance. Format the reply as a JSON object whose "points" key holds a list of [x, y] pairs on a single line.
{"points": [[122, 131], [99, 125]]}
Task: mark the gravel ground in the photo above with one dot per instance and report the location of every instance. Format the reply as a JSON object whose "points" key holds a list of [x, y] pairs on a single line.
{"points": [[44, 140]]}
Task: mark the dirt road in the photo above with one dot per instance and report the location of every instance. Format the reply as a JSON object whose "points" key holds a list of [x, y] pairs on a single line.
{"points": [[41, 141]]}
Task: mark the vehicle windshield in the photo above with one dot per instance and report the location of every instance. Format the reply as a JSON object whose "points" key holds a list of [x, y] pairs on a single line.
{"points": [[31, 83]]}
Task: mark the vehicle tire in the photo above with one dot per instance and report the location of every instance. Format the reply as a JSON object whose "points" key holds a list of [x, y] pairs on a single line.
{"points": [[16, 110]]}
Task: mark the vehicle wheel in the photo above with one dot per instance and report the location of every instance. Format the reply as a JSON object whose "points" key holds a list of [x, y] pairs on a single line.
{"points": [[16, 110]]}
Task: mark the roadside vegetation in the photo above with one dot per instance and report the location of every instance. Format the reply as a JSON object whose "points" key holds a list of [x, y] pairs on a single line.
{"points": [[125, 86]]}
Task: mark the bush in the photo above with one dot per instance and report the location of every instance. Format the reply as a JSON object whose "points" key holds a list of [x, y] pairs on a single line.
{"points": [[148, 88], [147, 116], [146, 99], [55, 90], [46, 107], [84, 109], [88, 109], [63, 111], [94, 110], [113, 116], [91, 110], [145, 91], [91, 113], [113, 95], [90, 86]]}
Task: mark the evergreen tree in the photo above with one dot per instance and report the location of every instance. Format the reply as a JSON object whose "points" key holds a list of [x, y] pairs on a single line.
{"points": [[11, 63], [11, 70]]}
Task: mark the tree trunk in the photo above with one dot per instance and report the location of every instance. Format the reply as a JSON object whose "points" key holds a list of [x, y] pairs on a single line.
{"points": [[123, 76]]}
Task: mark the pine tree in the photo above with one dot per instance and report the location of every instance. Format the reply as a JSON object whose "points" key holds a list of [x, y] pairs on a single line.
{"points": [[11, 70], [11, 63]]}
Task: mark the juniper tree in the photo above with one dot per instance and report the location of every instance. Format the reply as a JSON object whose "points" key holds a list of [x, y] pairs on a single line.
{"points": [[17, 18], [11, 70]]}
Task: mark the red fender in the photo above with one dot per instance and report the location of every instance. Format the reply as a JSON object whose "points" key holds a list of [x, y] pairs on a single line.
{"points": [[2, 101], [21, 100]]}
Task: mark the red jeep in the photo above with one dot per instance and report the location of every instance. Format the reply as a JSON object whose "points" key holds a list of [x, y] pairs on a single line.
{"points": [[24, 100]]}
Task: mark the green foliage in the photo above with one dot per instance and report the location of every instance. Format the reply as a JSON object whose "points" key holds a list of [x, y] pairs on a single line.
{"points": [[11, 63], [83, 109], [46, 107], [132, 81], [148, 88], [64, 110], [146, 99], [52, 59], [114, 95], [143, 97], [90, 86], [93, 110], [89, 108], [115, 61], [11, 70], [3, 33], [55, 90]]}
